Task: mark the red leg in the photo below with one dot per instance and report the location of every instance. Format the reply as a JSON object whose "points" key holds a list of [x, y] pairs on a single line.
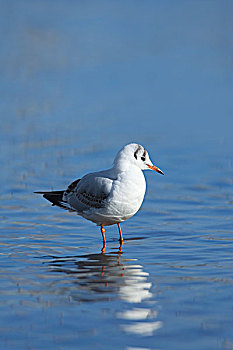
{"points": [[121, 237], [103, 235]]}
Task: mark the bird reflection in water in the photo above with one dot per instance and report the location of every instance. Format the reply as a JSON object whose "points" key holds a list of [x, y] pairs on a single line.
{"points": [[107, 277]]}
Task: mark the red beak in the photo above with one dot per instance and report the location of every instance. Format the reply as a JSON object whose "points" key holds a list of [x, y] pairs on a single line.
{"points": [[153, 167]]}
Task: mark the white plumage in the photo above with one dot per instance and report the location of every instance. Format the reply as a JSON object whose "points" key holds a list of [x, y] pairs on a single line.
{"points": [[110, 196]]}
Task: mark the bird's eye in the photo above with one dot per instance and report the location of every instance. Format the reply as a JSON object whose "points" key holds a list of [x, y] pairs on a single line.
{"points": [[143, 159]]}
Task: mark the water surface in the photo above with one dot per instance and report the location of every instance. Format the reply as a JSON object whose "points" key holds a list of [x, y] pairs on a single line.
{"points": [[78, 81]]}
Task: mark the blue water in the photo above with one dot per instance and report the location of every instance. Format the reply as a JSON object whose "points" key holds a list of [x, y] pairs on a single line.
{"points": [[78, 81]]}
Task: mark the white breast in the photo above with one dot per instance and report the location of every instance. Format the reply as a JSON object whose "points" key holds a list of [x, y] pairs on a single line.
{"points": [[126, 197]]}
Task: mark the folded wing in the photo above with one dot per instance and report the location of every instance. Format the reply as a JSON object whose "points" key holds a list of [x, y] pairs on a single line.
{"points": [[91, 191]]}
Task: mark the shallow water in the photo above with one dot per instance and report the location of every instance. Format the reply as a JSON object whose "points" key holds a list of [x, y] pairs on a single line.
{"points": [[78, 81]]}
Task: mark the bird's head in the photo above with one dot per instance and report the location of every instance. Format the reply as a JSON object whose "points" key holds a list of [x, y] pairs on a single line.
{"points": [[136, 155]]}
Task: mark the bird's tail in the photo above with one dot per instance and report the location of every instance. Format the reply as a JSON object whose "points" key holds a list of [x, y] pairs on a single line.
{"points": [[55, 197]]}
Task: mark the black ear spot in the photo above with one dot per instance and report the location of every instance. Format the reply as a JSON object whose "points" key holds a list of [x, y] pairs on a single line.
{"points": [[143, 159], [136, 152]]}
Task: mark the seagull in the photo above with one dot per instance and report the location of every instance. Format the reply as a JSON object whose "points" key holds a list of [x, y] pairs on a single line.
{"points": [[111, 196]]}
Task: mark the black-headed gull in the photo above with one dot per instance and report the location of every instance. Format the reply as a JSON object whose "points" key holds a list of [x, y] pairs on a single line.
{"points": [[110, 196]]}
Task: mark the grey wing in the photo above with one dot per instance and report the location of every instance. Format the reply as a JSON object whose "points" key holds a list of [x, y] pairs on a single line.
{"points": [[91, 191]]}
